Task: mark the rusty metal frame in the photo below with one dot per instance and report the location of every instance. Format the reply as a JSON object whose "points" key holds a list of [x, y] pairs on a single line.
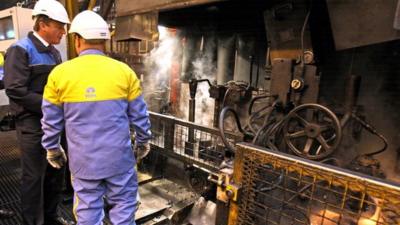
{"points": [[308, 193], [172, 137]]}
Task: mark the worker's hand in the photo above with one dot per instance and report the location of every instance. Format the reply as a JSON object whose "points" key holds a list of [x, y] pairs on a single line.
{"points": [[141, 150], [56, 158]]}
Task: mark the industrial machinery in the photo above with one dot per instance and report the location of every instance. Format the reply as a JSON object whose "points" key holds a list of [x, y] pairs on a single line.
{"points": [[274, 112], [294, 108]]}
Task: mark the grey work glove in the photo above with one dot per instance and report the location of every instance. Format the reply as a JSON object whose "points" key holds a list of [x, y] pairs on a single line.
{"points": [[56, 158], [141, 150]]}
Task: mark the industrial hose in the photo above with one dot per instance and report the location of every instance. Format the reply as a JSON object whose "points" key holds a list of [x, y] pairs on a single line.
{"points": [[258, 115], [255, 99], [263, 134], [221, 126], [373, 131]]}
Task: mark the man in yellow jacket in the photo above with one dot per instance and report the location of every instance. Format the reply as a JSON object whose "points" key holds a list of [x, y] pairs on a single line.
{"points": [[96, 99]]}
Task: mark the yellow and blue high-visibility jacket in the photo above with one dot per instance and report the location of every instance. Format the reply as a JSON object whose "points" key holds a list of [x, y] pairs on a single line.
{"points": [[96, 98]]}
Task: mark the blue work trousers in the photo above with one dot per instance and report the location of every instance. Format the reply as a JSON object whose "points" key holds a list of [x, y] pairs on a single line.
{"points": [[120, 191]]}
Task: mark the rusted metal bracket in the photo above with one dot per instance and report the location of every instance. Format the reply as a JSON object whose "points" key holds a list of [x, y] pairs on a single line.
{"points": [[226, 190]]}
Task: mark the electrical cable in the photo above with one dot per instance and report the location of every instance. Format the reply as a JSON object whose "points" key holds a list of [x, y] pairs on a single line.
{"points": [[302, 35]]}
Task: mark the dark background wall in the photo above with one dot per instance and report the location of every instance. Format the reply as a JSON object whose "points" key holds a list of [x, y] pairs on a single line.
{"points": [[4, 4], [379, 68]]}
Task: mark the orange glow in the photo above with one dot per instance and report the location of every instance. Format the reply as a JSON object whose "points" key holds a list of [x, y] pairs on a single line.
{"points": [[371, 221], [325, 217]]}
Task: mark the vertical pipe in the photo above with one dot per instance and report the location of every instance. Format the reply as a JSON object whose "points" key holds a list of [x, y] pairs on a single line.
{"points": [[91, 5], [187, 57], [106, 6], [245, 47], [396, 22], [258, 70], [174, 82], [201, 49], [352, 90], [72, 9], [112, 41], [251, 59], [217, 110], [169, 133], [225, 59], [192, 104], [192, 107]]}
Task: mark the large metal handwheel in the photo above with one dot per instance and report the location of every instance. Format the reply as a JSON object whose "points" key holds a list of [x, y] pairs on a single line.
{"points": [[312, 131]]}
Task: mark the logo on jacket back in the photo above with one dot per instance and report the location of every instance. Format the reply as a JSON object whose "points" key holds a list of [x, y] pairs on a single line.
{"points": [[90, 92]]}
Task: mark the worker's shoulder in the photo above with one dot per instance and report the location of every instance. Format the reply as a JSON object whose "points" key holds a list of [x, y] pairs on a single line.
{"points": [[120, 64], [63, 67], [24, 43], [73, 63], [65, 64], [102, 61]]}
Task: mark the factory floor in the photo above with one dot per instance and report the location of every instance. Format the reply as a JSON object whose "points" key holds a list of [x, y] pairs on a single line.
{"points": [[162, 200]]}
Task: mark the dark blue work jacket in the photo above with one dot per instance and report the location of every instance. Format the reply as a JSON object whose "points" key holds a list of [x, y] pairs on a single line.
{"points": [[27, 65]]}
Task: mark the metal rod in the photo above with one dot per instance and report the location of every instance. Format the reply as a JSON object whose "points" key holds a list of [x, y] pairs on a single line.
{"points": [[106, 8], [352, 90], [192, 105], [251, 70], [92, 4]]}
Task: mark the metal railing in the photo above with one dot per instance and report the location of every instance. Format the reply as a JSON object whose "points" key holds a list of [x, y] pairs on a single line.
{"points": [[276, 188], [189, 142]]}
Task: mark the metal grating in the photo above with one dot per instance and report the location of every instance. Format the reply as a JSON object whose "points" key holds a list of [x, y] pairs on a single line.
{"points": [[10, 171], [277, 188], [188, 141], [14, 220], [9, 177]]}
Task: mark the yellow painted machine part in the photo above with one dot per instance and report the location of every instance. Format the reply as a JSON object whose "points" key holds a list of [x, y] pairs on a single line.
{"points": [[248, 159]]}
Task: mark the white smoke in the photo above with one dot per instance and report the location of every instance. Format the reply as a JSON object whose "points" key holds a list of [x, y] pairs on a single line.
{"points": [[203, 67], [158, 67]]}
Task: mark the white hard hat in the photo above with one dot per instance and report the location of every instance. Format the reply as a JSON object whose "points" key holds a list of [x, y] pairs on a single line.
{"points": [[90, 25], [51, 8]]}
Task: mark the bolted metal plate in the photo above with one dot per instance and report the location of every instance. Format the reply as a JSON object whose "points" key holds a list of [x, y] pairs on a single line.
{"points": [[137, 27]]}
